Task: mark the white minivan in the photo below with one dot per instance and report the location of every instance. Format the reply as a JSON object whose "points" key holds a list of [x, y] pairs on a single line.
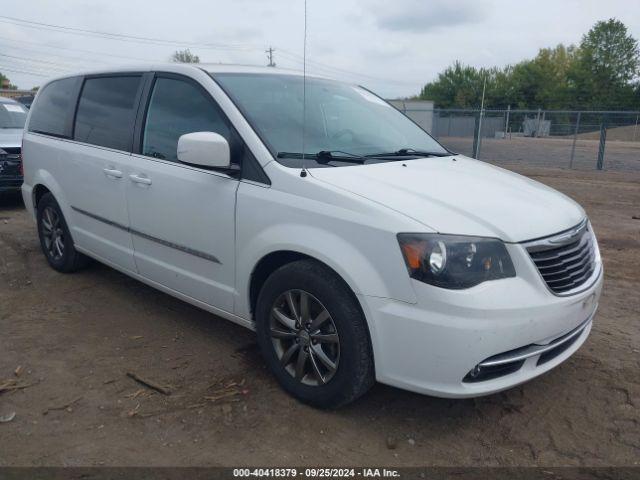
{"points": [[312, 211]]}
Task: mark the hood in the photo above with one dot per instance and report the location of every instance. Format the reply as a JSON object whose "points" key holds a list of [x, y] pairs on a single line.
{"points": [[10, 137], [459, 195]]}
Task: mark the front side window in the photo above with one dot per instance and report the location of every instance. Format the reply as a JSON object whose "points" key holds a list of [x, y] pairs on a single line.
{"points": [[107, 110], [178, 107], [12, 115], [52, 108], [338, 117]]}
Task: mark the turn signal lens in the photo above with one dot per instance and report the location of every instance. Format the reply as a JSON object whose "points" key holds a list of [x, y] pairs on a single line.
{"points": [[414, 253]]}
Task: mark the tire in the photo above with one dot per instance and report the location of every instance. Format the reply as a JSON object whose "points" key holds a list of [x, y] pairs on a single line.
{"points": [[341, 340], [62, 257]]}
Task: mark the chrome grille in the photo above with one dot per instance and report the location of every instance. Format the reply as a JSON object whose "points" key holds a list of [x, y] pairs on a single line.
{"points": [[13, 153], [11, 150], [567, 260]]}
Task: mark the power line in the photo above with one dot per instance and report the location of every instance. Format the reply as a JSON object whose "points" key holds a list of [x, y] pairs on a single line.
{"points": [[92, 52], [43, 70], [77, 60], [44, 67], [33, 66], [158, 41], [117, 36], [328, 68], [7, 69], [26, 59]]}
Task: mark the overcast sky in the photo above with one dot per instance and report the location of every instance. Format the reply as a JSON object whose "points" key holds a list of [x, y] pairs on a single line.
{"points": [[391, 46]]}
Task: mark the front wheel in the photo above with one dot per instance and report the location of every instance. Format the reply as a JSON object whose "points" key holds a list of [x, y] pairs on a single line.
{"points": [[313, 335]]}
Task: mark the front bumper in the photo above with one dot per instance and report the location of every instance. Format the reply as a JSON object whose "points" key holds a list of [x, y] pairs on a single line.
{"points": [[434, 345], [10, 184]]}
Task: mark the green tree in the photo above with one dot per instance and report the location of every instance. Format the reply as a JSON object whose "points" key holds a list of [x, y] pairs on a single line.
{"points": [[607, 61], [598, 74], [543, 81], [6, 83], [460, 86], [538, 83], [184, 56]]}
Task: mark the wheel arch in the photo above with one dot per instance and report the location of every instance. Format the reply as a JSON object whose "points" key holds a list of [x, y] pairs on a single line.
{"points": [[269, 263], [38, 192], [44, 182]]}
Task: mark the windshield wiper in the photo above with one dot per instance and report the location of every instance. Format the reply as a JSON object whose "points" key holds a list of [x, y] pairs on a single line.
{"points": [[408, 152], [325, 156]]}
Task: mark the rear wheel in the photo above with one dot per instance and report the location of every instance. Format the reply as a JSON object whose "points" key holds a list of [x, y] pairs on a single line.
{"points": [[313, 335], [55, 238]]}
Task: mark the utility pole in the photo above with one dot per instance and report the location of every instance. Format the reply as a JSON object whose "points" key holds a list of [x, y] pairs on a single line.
{"points": [[479, 138], [506, 122], [270, 53], [575, 139]]}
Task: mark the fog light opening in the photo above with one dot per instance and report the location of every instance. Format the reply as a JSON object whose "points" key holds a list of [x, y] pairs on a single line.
{"points": [[481, 374]]}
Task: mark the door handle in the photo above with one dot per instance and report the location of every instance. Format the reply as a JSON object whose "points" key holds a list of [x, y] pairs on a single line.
{"points": [[138, 179], [112, 172]]}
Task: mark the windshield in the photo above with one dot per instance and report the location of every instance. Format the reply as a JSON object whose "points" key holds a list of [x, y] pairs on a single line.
{"points": [[12, 115], [340, 118]]}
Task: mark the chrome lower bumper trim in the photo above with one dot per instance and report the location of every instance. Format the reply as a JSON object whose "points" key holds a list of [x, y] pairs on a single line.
{"points": [[535, 349]]}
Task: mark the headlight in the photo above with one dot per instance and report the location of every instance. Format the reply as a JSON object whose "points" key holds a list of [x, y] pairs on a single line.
{"points": [[455, 262]]}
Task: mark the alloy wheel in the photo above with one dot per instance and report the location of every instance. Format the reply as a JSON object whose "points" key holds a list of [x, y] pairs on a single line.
{"points": [[53, 233], [304, 337]]}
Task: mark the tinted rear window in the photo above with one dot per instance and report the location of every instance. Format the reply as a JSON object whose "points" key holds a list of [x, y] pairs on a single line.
{"points": [[106, 111], [54, 105]]}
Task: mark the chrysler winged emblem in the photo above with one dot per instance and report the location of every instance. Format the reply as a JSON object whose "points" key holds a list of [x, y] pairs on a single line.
{"points": [[567, 237]]}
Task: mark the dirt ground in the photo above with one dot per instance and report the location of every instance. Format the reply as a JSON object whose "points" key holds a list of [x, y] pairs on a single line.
{"points": [[517, 152], [76, 336]]}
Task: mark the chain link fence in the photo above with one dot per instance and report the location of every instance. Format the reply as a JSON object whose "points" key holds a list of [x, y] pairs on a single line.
{"points": [[603, 140]]}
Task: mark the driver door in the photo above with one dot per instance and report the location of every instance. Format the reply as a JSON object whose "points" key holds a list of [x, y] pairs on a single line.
{"points": [[182, 216]]}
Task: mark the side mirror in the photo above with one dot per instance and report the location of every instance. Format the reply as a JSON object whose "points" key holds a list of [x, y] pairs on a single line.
{"points": [[205, 149]]}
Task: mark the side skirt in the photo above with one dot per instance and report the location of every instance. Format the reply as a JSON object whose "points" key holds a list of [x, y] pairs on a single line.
{"points": [[197, 303]]}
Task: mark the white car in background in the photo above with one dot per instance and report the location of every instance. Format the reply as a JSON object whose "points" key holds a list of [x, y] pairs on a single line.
{"points": [[362, 251], [12, 118]]}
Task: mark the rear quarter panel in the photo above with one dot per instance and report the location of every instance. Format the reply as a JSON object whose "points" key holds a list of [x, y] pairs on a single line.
{"points": [[43, 159]]}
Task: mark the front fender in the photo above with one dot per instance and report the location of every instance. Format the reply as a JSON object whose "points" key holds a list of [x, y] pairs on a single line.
{"points": [[347, 259]]}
